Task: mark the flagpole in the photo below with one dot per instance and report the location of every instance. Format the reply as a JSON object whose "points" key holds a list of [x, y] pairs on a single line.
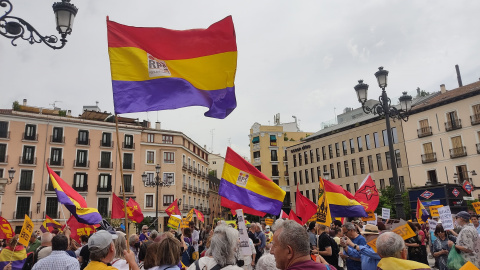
{"points": [[63, 213], [121, 176]]}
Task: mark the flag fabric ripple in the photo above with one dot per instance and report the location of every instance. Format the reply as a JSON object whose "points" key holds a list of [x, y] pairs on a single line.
{"points": [[161, 69], [243, 184], [422, 213], [341, 202], [73, 201]]}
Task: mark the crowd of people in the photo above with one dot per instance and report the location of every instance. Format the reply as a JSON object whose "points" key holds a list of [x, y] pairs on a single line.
{"points": [[285, 245]]}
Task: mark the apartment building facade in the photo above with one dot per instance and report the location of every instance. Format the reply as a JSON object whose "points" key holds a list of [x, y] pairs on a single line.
{"points": [[443, 142], [83, 152], [268, 146]]}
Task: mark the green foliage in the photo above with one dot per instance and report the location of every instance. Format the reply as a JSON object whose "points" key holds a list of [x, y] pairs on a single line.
{"points": [[291, 139], [285, 138], [423, 93], [387, 200], [16, 106], [62, 113], [470, 206]]}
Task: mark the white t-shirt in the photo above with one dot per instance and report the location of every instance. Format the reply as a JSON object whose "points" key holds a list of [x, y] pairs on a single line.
{"points": [[195, 238], [209, 263]]}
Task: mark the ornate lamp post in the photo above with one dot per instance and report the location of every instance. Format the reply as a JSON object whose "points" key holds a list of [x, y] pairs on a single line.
{"points": [[158, 183], [11, 175], [14, 27], [384, 108]]}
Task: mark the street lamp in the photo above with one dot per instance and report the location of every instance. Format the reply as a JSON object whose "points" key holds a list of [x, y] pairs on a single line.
{"points": [[14, 28], [11, 175], [158, 183], [384, 108]]}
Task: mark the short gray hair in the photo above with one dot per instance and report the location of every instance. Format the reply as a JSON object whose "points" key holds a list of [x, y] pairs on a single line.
{"points": [[153, 234], [223, 245], [46, 238], [132, 239], [277, 224], [266, 262], [390, 244], [349, 226], [97, 254], [295, 236]]}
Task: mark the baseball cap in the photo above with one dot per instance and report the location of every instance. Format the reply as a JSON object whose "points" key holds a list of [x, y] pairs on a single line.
{"points": [[101, 240], [463, 215]]}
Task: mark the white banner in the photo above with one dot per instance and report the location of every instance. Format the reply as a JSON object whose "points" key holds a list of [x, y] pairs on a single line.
{"points": [[446, 217], [432, 224], [386, 213], [242, 231], [373, 222]]}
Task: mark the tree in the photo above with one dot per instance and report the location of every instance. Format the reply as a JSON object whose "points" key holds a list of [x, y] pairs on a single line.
{"points": [[422, 93], [387, 200], [16, 106], [470, 206]]}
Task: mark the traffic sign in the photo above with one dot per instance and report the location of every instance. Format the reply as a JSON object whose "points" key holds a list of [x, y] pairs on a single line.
{"points": [[426, 194], [467, 187], [455, 192]]}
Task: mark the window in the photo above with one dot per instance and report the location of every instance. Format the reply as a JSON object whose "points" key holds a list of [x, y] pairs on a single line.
{"points": [[457, 147], [354, 167], [168, 139], [23, 207], [128, 161], [26, 179], [300, 177], [170, 178], [167, 200], [273, 154], [352, 146], [51, 208], [306, 177], [80, 182], [307, 194], [295, 178], [319, 172], [367, 142], [339, 170], [294, 160], [306, 157], [150, 137], [432, 176], [330, 151], [370, 164], [257, 167], [30, 132], [273, 140], [311, 156], [359, 142], [323, 153], [379, 162], [355, 187], [390, 180], [398, 158], [150, 157], [83, 137], [127, 182], [256, 154], [128, 142], [344, 146], [168, 157], [56, 157], [394, 135], [106, 140], [255, 140], [105, 160], [57, 135], [362, 165], [4, 129], [149, 201], [382, 184], [332, 172], [314, 199], [337, 149], [385, 137], [82, 157], [28, 155], [3, 153], [452, 121], [345, 165], [299, 159], [103, 206], [105, 183], [318, 154], [348, 187], [389, 162], [313, 176], [376, 140]]}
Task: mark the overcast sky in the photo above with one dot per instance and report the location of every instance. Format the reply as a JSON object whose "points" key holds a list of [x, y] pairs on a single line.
{"points": [[297, 58]]}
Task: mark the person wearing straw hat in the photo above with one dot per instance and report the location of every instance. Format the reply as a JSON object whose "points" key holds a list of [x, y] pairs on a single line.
{"points": [[368, 257]]}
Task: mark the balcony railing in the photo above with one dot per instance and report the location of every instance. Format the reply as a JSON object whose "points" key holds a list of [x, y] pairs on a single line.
{"points": [[185, 207], [424, 132], [453, 125], [458, 152], [184, 186], [203, 174], [21, 214], [128, 189], [53, 215], [85, 164], [285, 173], [478, 148], [195, 170], [105, 165], [83, 188], [49, 188], [129, 166], [57, 139], [108, 144], [190, 187], [108, 188], [475, 119], [33, 137], [83, 142], [275, 158], [190, 168], [27, 161], [429, 157], [4, 159], [128, 146], [22, 186], [275, 173], [5, 136], [194, 189], [55, 162], [184, 166]]}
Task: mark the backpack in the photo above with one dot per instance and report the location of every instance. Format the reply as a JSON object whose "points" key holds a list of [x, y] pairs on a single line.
{"points": [[187, 256], [31, 259]]}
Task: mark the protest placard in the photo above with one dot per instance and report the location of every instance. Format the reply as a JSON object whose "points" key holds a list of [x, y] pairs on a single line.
{"points": [[386, 213], [26, 233], [476, 205], [446, 217], [242, 231], [173, 222], [404, 231], [269, 221], [371, 216], [373, 222], [434, 210], [432, 224]]}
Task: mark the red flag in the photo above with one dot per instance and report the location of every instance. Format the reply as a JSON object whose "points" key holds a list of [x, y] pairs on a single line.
{"points": [[292, 216], [283, 214], [134, 211], [246, 210], [173, 209], [199, 215], [117, 207], [367, 194], [305, 208], [6, 231], [79, 229]]}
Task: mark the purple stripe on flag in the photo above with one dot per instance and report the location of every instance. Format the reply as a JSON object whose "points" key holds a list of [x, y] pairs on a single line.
{"points": [[249, 198], [90, 218], [347, 211], [171, 93]]}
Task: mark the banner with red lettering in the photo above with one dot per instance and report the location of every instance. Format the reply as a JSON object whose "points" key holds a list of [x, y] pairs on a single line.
{"points": [[79, 229]]}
